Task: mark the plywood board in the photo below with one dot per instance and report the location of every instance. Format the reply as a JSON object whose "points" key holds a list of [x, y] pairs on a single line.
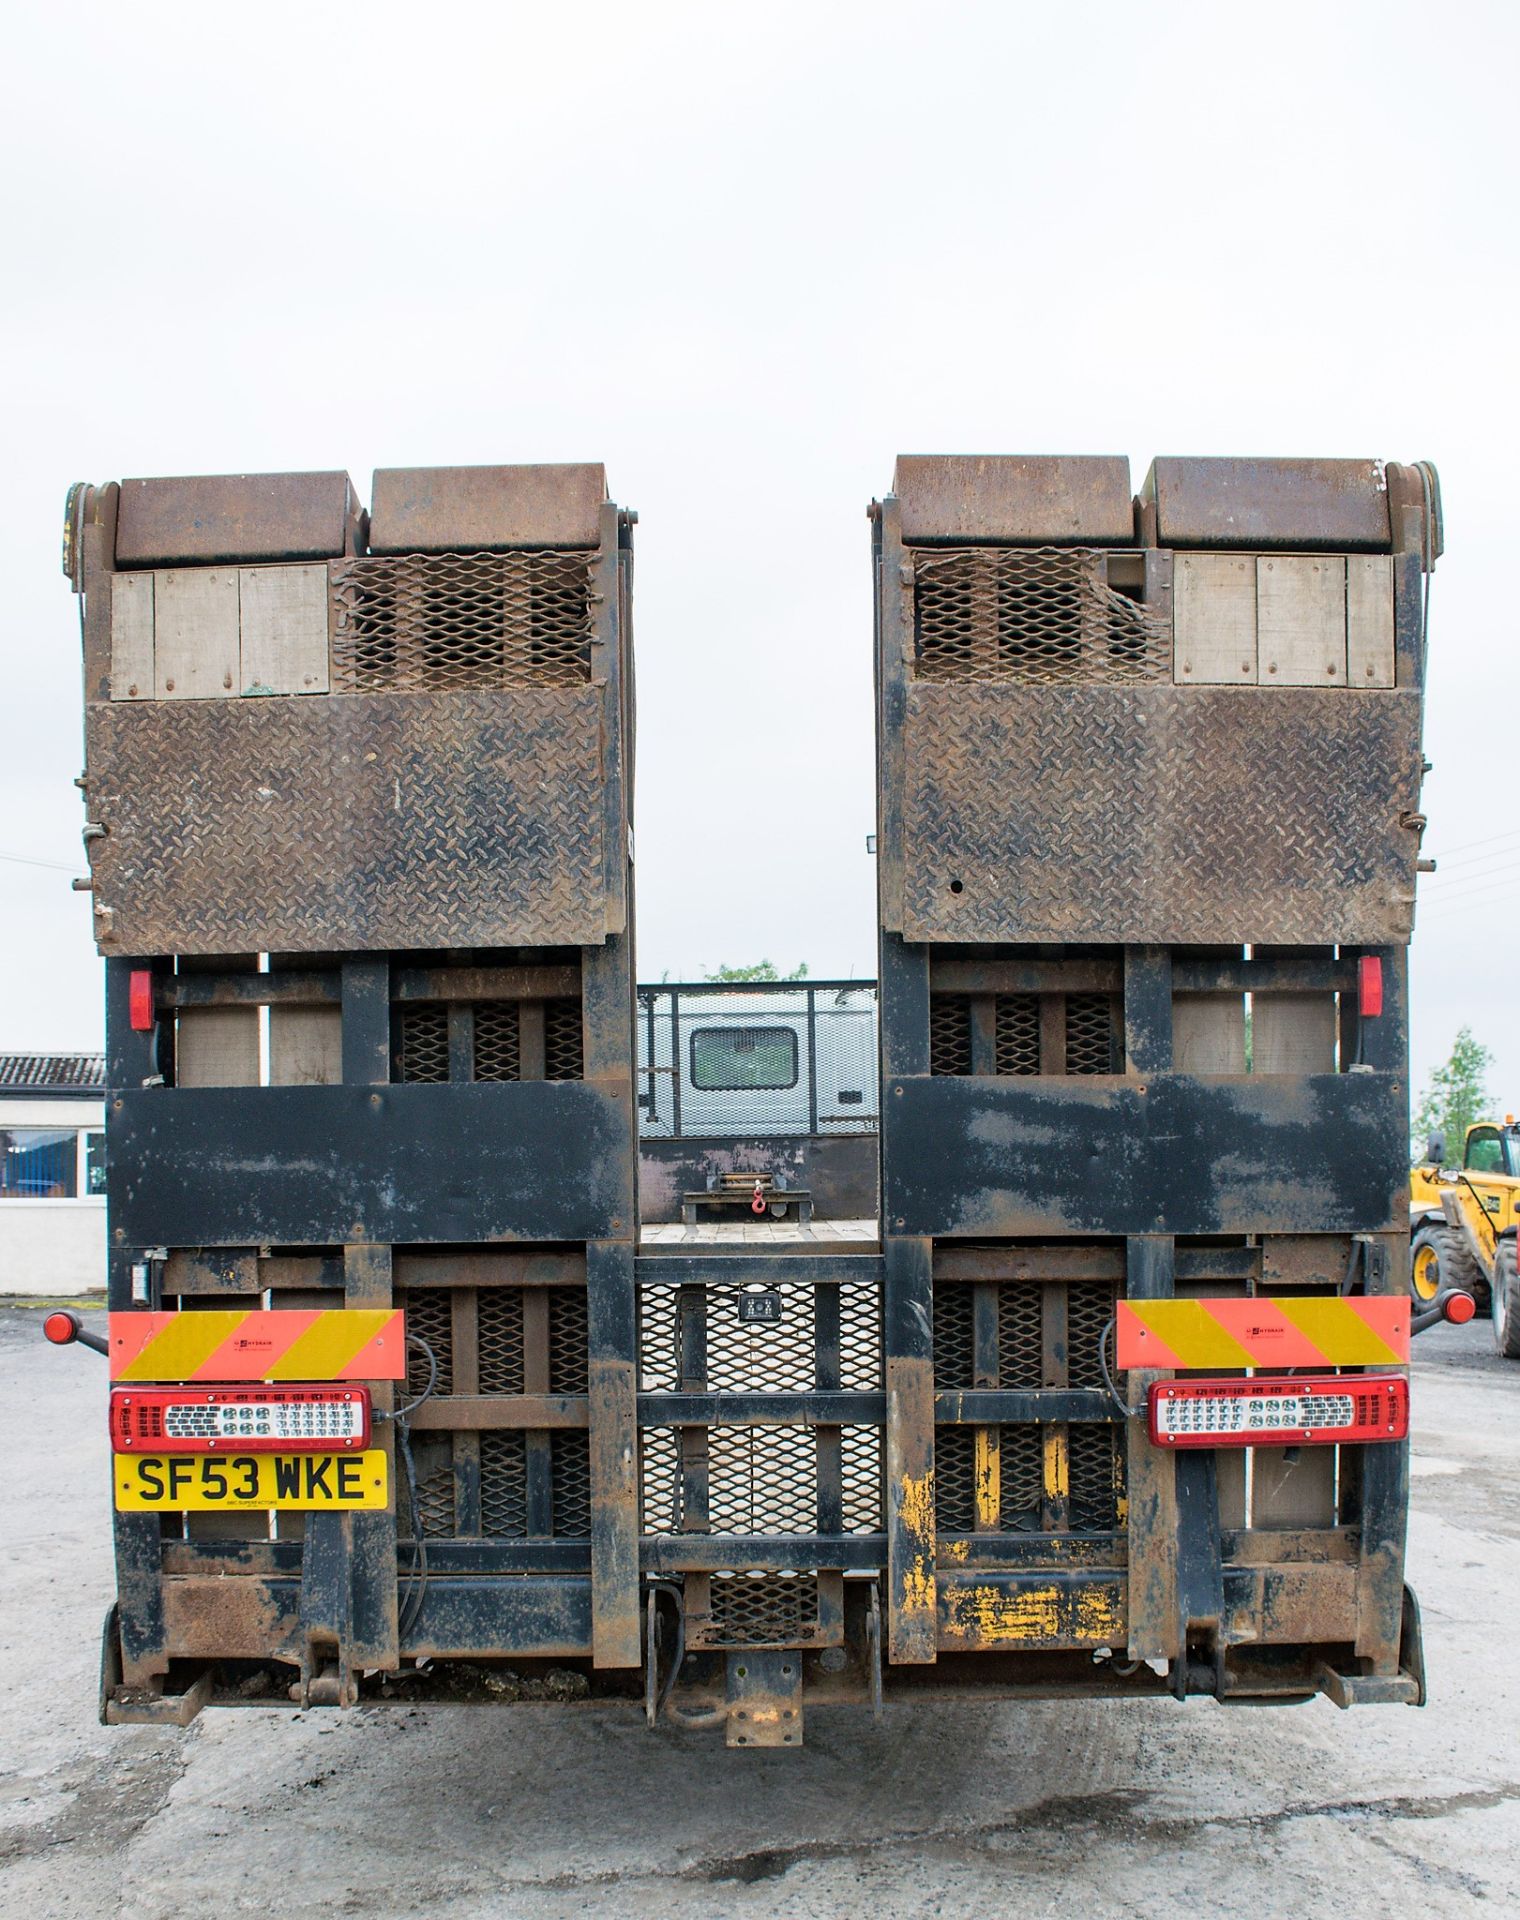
{"points": [[1369, 620], [195, 633], [305, 1046], [1215, 602], [1301, 619], [217, 1047], [284, 629], [1293, 1033], [1209, 1033], [132, 636]]}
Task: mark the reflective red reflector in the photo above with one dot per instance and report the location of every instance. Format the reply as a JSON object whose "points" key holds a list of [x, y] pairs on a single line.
{"points": [[1284, 1412], [61, 1328], [140, 1000], [237, 1419], [1459, 1308], [1369, 984]]}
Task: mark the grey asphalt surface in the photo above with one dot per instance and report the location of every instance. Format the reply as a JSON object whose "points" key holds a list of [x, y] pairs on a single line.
{"points": [[1086, 1809]]}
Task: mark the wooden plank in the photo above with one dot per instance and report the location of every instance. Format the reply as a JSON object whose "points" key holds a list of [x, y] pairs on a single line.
{"points": [[1293, 1033], [305, 1046], [284, 629], [1292, 1486], [1301, 619], [1369, 620], [217, 1047], [1215, 602], [1209, 1033], [195, 633], [131, 636]]}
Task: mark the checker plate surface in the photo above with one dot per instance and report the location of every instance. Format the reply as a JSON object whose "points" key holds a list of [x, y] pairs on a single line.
{"points": [[1159, 814], [350, 822]]}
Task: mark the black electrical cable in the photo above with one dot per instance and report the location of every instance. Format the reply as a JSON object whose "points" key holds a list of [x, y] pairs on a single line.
{"points": [[1110, 1326], [418, 1576], [702, 1717], [400, 1413]]}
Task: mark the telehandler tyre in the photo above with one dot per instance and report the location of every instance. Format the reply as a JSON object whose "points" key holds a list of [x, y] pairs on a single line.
{"points": [[1506, 1292], [1425, 1265]]}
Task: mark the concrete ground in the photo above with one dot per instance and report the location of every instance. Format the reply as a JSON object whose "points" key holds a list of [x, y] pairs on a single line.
{"points": [[452, 1812]]}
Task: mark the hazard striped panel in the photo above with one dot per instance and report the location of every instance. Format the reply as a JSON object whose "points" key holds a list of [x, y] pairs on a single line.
{"points": [[360, 1343], [1296, 1331]]}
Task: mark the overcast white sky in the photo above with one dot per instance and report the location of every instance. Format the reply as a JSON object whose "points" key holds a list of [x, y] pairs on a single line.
{"points": [[744, 256]]}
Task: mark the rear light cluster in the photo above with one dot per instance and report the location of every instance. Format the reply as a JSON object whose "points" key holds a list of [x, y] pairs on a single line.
{"points": [[1299, 1412], [240, 1419]]}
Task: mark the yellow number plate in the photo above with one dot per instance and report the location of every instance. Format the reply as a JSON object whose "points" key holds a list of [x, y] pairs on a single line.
{"points": [[225, 1482]]}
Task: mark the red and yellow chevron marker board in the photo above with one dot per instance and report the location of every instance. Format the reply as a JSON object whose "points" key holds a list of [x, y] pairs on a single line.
{"points": [[1297, 1330], [358, 1343]]}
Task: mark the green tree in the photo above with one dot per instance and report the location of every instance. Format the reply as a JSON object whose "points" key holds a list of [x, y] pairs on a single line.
{"points": [[762, 970], [1455, 1096]]}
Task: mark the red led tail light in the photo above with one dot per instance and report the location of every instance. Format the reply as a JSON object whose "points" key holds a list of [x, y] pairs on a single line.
{"points": [[1289, 1411], [236, 1419]]}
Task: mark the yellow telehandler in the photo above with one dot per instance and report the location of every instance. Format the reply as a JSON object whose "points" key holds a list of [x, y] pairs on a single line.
{"points": [[1463, 1223]]}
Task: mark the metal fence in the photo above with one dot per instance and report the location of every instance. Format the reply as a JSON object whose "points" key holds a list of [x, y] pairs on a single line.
{"points": [[754, 1058]]}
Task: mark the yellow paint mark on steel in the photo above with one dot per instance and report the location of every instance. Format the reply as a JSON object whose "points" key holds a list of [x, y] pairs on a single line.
{"points": [[1092, 1615], [916, 1506], [954, 1550], [1057, 1466], [1336, 1331], [987, 1482], [1187, 1326], [184, 1345]]}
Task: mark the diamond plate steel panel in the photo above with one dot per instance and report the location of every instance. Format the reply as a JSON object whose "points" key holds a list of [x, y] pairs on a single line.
{"points": [[351, 822], [1159, 814]]}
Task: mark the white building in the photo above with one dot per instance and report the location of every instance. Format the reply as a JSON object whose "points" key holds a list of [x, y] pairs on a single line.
{"points": [[52, 1173]]}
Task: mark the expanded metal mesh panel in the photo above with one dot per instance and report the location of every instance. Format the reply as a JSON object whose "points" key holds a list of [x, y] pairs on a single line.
{"points": [[1020, 1343], [426, 623], [659, 1480], [563, 1043], [955, 1479], [762, 1480], [659, 1353], [860, 1475], [1090, 1305], [567, 1340], [954, 1337], [1021, 1479], [845, 1064], [860, 1361], [761, 1356], [503, 1486], [1031, 616], [949, 1033], [1018, 1033], [1096, 1478], [498, 1053], [762, 1610], [499, 1339], [424, 1042], [1091, 1034], [433, 1464], [570, 1481], [429, 1317], [435, 1503], [749, 1059]]}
